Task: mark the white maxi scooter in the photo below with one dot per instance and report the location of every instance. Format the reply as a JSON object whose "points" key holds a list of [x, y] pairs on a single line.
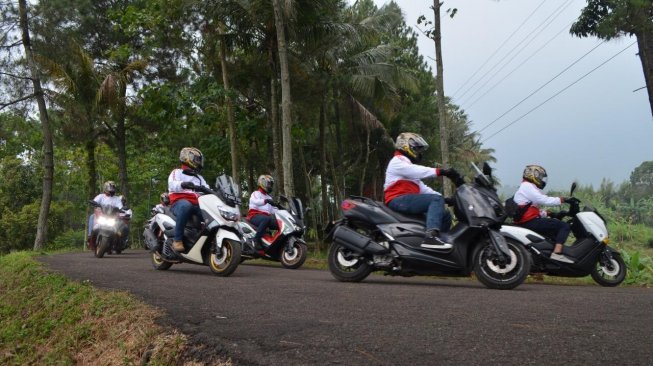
{"points": [[214, 240]]}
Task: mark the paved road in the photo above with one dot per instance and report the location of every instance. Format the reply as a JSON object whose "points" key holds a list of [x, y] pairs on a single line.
{"points": [[264, 315]]}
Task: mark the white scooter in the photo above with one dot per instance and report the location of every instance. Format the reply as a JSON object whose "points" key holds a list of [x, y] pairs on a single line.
{"points": [[214, 240]]}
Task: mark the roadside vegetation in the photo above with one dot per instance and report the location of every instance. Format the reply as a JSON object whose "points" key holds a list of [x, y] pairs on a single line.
{"points": [[46, 319]]}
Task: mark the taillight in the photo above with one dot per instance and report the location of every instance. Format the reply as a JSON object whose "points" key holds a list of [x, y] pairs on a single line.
{"points": [[347, 205]]}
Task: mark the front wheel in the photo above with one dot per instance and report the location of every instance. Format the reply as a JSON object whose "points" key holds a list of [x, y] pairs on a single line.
{"points": [[502, 276], [225, 260], [294, 256], [345, 266], [609, 273], [102, 246]]}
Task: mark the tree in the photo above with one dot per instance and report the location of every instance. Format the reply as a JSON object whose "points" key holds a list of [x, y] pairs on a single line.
{"points": [[641, 180], [608, 19], [48, 158]]}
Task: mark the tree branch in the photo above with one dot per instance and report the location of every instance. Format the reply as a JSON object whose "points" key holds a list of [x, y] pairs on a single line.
{"points": [[16, 76], [4, 105]]}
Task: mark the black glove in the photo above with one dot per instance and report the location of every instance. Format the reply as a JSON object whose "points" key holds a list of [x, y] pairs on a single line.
{"points": [[269, 200], [450, 201], [571, 200], [450, 173], [187, 185]]}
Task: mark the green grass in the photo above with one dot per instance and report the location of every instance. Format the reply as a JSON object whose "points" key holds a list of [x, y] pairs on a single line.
{"points": [[48, 319]]}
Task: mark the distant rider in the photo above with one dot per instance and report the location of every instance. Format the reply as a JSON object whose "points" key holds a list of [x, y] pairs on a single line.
{"points": [[108, 197], [261, 209], [183, 199], [404, 191], [530, 198]]}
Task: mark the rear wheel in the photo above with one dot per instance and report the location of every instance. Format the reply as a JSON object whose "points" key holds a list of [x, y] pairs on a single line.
{"points": [[225, 260], [502, 276], [295, 256], [102, 246], [158, 263], [345, 266], [609, 272]]}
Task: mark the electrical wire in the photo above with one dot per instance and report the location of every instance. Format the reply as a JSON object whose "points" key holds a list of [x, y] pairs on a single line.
{"points": [[558, 93]]}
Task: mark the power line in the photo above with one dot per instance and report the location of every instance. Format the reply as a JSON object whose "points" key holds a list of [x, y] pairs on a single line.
{"points": [[555, 14], [541, 87], [558, 93], [498, 48], [520, 65]]}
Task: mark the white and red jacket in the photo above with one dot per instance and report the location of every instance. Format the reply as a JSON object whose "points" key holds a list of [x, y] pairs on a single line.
{"points": [[529, 193], [403, 177], [258, 206], [106, 200], [174, 186]]}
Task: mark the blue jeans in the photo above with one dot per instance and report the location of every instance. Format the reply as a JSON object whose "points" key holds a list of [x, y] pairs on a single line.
{"points": [[437, 216], [183, 210], [550, 228], [262, 223]]}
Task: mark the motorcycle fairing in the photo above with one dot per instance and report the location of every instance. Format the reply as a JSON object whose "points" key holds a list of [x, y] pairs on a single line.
{"points": [[593, 224]]}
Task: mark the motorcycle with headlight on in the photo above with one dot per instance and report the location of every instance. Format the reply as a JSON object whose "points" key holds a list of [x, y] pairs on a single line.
{"points": [[109, 233], [214, 240]]}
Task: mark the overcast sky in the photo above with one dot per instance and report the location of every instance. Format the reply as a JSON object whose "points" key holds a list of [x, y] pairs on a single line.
{"points": [[597, 128]]}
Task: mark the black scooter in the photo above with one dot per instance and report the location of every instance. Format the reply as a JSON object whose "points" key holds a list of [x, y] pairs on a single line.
{"points": [[372, 237]]}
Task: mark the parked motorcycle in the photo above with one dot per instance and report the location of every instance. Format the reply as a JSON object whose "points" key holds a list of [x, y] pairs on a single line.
{"points": [[107, 235], [372, 237], [287, 245], [590, 251], [214, 240]]}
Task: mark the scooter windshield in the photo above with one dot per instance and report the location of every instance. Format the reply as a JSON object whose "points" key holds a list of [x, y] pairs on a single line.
{"points": [[474, 207], [228, 189]]}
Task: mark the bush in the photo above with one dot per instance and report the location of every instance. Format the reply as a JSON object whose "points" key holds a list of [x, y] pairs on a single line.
{"points": [[68, 239]]}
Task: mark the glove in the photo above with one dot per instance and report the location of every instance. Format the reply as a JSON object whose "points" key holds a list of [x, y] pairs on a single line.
{"points": [[571, 200], [187, 185], [450, 201], [449, 173], [269, 200]]}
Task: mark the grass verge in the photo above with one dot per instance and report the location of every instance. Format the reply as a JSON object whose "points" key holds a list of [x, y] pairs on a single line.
{"points": [[46, 319]]}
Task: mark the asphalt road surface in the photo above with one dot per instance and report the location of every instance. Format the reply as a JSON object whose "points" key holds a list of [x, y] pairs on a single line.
{"points": [[268, 315]]}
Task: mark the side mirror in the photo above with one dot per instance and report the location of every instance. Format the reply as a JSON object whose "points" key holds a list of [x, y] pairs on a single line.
{"points": [[573, 188], [487, 170]]}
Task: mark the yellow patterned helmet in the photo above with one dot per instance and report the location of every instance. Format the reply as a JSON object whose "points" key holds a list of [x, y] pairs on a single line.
{"points": [[192, 157], [536, 175], [412, 145], [266, 182], [109, 188]]}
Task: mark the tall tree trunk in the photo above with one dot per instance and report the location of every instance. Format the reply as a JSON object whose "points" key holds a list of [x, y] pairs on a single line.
{"points": [[48, 150], [365, 161], [274, 120], [439, 85], [286, 104], [121, 140], [230, 113], [91, 166], [645, 45], [323, 161]]}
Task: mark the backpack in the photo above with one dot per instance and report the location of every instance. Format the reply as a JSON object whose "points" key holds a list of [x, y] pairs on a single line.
{"points": [[513, 210]]}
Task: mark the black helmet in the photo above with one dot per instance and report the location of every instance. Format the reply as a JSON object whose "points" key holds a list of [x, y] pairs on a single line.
{"points": [[411, 145]]}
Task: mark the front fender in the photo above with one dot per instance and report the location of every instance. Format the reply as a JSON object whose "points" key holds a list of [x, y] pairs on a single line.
{"points": [[223, 234]]}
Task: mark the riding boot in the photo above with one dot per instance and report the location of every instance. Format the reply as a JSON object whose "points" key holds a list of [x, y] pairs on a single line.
{"points": [[178, 245]]}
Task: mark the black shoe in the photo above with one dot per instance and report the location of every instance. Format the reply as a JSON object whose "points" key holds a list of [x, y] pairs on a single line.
{"points": [[258, 244], [437, 241]]}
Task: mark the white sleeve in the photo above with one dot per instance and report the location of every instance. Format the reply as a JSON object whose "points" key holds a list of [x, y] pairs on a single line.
{"points": [[174, 183], [424, 189], [411, 171], [538, 198]]}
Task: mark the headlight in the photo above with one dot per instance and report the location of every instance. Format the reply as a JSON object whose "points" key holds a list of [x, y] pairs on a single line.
{"points": [[230, 216], [106, 221]]}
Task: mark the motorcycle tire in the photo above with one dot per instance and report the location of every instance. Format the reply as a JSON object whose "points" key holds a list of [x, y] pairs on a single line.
{"points": [[296, 258], [102, 246], [344, 269], [227, 260], [492, 274], [158, 263], [610, 277]]}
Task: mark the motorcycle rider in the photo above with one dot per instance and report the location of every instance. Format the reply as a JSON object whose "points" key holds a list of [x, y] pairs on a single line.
{"points": [[406, 193], [108, 198], [183, 199], [261, 209], [530, 198]]}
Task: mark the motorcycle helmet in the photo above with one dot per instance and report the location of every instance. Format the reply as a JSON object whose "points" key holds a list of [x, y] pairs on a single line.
{"points": [[411, 145], [536, 175], [109, 188], [192, 158], [165, 199], [266, 182]]}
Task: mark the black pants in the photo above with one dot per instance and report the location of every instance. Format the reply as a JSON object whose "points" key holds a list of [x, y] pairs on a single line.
{"points": [[550, 228], [262, 223]]}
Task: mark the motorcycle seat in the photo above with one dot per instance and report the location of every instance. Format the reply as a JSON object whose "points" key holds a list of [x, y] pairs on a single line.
{"points": [[401, 217]]}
